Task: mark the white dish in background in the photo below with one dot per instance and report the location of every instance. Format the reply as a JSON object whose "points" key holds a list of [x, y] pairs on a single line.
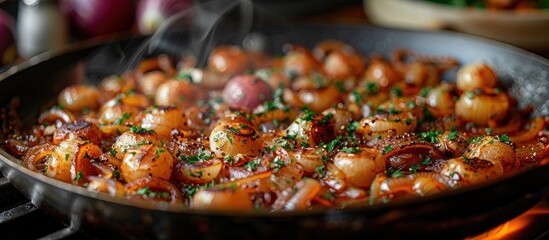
{"points": [[527, 29]]}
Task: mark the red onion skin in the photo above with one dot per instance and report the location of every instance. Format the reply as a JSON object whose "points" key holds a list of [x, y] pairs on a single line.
{"points": [[151, 13], [90, 18], [246, 91], [7, 39]]}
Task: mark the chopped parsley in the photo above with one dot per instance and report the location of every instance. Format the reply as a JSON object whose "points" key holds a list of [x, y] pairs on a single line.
{"points": [[423, 92], [308, 115], [201, 156], [333, 144], [140, 130], [396, 91], [372, 87], [469, 95], [414, 168], [395, 173], [427, 161], [79, 176], [430, 136], [326, 119], [350, 150], [453, 135], [505, 139], [120, 120], [116, 174], [251, 166], [387, 149], [112, 152], [146, 191], [320, 170], [352, 127]]}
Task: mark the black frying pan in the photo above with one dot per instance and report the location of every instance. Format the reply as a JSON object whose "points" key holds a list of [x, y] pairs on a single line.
{"points": [[449, 215]]}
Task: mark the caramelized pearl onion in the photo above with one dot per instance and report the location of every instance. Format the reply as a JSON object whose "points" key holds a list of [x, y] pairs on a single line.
{"points": [[361, 167], [224, 199], [163, 120], [327, 127], [79, 130], [385, 125], [310, 159], [476, 76], [465, 171], [199, 173], [341, 64], [180, 93], [481, 109], [153, 190], [386, 189], [493, 150], [147, 160], [382, 73], [78, 97], [311, 129], [233, 138]]}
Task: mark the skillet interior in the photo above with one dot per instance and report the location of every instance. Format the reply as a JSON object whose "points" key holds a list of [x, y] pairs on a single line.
{"points": [[451, 215]]}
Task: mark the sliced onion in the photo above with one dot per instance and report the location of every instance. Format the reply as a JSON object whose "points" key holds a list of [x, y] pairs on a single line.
{"points": [[78, 129], [199, 173], [226, 199], [143, 188], [307, 190], [110, 186]]}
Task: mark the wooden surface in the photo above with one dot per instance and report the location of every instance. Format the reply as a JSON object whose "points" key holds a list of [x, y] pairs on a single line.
{"points": [[355, 14]]}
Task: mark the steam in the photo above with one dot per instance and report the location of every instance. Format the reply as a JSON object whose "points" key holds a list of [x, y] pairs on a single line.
{"points": [[193, 32]]}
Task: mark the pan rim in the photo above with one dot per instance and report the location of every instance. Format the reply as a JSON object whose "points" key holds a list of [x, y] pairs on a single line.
{"points": [[14, 163]]}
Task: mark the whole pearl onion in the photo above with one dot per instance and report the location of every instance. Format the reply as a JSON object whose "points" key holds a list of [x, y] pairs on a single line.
{"points": [[246, 91], [235, 137], [228, 59], [381, 73], [299, 62], [360, 168], [482, 108], [476, 76], [225, 199], [179, 93], [79, 129], [385, 125], [442, 99], [493, 150], [163, 120], [77, 97], [471, 171], [131, 139], [149, 82], [341, 64], [147, 160]]}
